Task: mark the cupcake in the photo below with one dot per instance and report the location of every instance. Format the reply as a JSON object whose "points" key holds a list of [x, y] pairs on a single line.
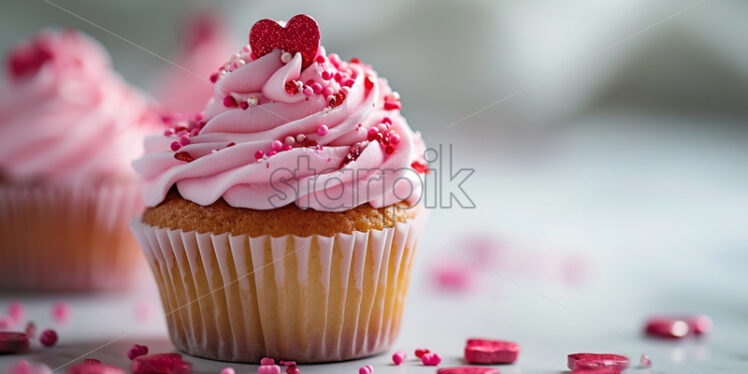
{"points": [[282, 221], [69, 128]]}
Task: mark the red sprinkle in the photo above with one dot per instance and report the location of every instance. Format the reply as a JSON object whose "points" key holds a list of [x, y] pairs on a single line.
{"points": [[292, 369], [160, 363], [369, 82], [13, 342], [431, 359], [420, 167], [420, 352], [48, 338], [590, 361], [484, 351], [184, 156], [137, 350], [213, 78], [229, 101], [392, 105]]}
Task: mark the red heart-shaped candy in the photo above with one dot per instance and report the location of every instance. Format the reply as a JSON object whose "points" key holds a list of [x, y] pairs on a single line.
{"points": [[301, 34]]}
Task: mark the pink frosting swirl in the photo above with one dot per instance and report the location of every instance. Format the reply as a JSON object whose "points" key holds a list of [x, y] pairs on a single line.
{"points": [[65, 116], [329, 137]]}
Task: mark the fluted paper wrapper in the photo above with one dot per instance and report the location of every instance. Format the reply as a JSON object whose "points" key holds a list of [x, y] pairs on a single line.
{"points": [[307, 299], [68, 238]]}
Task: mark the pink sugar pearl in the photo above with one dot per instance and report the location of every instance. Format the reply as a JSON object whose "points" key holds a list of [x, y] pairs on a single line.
{"points": [[228, 371], [268, 369], [368, 369], [398, 357], [322, 130]]}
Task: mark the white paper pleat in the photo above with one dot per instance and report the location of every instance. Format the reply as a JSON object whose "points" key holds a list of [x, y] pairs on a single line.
{"points": [[72, 238], [307, 299]]}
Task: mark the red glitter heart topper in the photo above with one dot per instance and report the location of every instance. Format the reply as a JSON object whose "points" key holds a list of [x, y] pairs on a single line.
{"points": [[301, 34]]}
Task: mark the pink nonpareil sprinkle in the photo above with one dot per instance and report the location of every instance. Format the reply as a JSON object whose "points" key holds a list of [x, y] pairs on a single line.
{"points": [[322, 130], [48, 338], [398, 357], [228, 370], [645, 362], [431, 359], [368, 369], [16, 311], [137, 350], [61, 312], [267, 361], [292, 369], [268, 369]]}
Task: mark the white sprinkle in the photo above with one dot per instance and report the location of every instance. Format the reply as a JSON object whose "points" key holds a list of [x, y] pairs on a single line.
{"points": [[240, 62], [300, 138], [286, 57], [252, 100]]}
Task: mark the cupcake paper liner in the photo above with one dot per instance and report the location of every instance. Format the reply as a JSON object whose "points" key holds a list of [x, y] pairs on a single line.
{"points": [[307, 299], [72, 238]]}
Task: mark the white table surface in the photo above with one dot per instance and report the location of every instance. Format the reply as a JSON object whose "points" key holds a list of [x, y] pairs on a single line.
{"points": [[658, 219]]}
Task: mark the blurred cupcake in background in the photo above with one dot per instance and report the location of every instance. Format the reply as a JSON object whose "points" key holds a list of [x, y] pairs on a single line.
{"points": [[185, 88], [69, 127]]}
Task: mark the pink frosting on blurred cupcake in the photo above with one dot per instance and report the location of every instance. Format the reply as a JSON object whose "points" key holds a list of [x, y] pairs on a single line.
{"points": [[65, 116]]}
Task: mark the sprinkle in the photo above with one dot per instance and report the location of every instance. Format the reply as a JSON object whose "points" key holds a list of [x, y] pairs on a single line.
{"points": [[239, 63], [348, 82], [286, 57], [354, 60], [228, 370], [229, 101], [327, 91], [60, 312], [168, 132], [398, 357], [272, 153], [369, 82], [589, 361], [300, 138], [259, 154], [253, 100], [269, 369], [184, 140], [244, 105], [308, 91], [322, 130], [391, 105], [316, 87], [387, 120], [276, 145], [292, 369], [136, 351], [431, 359], [338, 76], [289, 140], [184, 156], [645, 362], [267, 361], [213, 78], [420, 352], [320, 59], [286, 148], [394, 139], [30, 330], [667, 327], [368, 369], [48, 338]]}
